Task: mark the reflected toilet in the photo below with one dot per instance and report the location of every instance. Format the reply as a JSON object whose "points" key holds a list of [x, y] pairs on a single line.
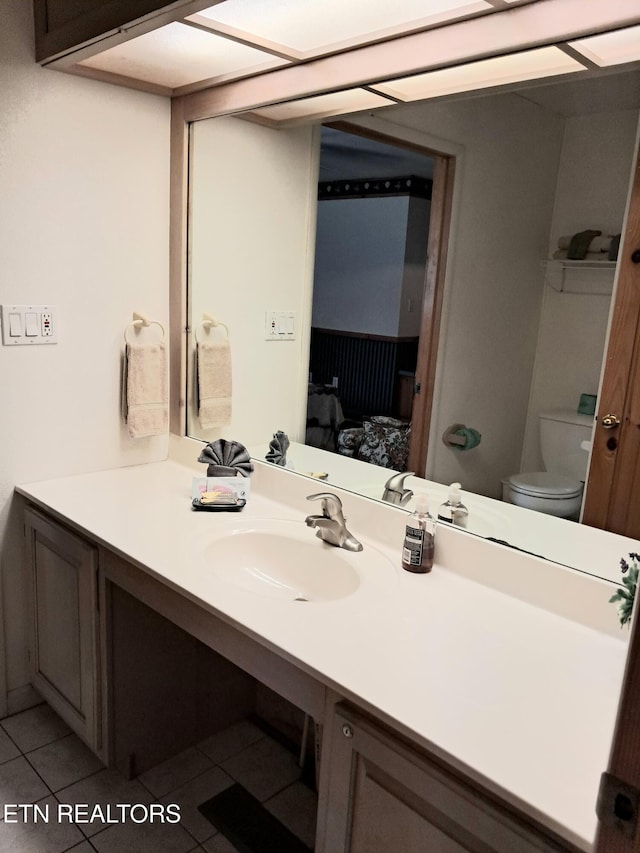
{"points": [[558, 489]]}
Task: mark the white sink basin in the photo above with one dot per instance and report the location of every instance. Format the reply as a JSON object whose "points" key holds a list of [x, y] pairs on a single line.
{"points": [[285, 560]]}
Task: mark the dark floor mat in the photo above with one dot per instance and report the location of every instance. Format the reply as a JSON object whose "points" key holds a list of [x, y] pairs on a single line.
{"points": [[248, 825]]}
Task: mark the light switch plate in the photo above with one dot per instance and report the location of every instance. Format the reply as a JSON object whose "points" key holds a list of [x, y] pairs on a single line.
{"points": [[36, 323]]}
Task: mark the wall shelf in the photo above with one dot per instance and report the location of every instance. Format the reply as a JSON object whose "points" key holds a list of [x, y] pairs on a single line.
{"points": [[593, 278]]}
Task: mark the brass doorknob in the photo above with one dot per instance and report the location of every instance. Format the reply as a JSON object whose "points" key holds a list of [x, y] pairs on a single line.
{"points": [[610, 421]]}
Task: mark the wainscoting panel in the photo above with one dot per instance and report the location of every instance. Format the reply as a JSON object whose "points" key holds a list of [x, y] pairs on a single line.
{"points": [[366, 367]]}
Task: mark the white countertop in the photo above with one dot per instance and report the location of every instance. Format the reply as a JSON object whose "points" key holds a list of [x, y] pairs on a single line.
{"points": [[514, 694]]}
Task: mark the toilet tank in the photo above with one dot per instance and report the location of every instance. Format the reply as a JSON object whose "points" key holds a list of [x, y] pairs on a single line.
{"points": [[561, 434]]}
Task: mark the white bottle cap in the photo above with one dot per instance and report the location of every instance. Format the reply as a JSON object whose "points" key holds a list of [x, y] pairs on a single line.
{"points": [[422, 502], [454, 493]]}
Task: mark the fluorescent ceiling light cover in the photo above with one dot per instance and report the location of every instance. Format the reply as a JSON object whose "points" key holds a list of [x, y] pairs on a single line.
{"points": [[177, 54], [528, 65], [313, 25], [611, 48], [320, 106]]}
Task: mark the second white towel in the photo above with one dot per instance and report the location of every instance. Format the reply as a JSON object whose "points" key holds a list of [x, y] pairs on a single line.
{"points": [[214, 383], [147, 393]]}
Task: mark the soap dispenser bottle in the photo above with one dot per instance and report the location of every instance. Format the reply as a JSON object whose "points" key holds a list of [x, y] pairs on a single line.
{"points": [[419, 538], [453, 510]]}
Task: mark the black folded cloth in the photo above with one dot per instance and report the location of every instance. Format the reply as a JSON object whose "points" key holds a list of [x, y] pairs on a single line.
{"points": [[579, 244], [278, 447], [226, 459]]}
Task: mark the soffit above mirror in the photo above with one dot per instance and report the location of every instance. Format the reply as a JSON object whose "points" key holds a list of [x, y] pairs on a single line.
{"points": [[288, 50]]}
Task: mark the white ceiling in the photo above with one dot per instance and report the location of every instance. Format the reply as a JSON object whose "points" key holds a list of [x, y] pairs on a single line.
{"points": [[579, 96], [345, 156]]}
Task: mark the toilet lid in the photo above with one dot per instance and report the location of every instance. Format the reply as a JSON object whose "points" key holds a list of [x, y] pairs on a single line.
{"points": [[545, 485]]}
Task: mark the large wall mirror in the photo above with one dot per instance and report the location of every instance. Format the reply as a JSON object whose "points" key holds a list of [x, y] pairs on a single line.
{"points": [[522, 330]]}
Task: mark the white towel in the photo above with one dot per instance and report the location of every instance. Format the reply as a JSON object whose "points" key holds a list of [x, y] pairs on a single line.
{"points": [[147, 390], [214, 383], [598, 244]]}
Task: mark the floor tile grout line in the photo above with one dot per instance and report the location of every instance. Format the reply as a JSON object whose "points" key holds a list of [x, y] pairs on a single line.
{"points": [[213, 766], [33, 749], [50, 792], [55, 740], [263, 736], [277, 794], [26, 711], [26, 755], [160, 797]]}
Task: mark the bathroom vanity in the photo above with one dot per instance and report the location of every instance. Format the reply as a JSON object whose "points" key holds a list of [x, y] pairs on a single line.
{"points": [[468, 709]]}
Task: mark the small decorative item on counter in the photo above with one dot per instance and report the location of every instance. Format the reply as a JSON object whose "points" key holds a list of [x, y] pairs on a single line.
{"points": [[278, 447], [627, 593], [226, 486], [219, 498], [453, 510], [226, 459], [419, 538]]}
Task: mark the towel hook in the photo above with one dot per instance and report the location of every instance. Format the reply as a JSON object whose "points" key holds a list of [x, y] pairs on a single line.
{"points": [[209, 322], [140, 321]]}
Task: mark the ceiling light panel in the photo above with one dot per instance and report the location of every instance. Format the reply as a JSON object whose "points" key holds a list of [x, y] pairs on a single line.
{"points": [[308, 27], [177, 55], [611, 48], [528, 65], [321, 106]]}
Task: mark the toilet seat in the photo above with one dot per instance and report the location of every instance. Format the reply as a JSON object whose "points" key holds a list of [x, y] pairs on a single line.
{"points": [[552, 494], [542, 484]]}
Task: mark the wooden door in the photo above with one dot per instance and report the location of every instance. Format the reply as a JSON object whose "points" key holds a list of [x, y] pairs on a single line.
{"points": [[612, 499], [439, 225]]}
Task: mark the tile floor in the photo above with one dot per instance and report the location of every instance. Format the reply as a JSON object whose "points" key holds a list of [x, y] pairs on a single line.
{"points": [[43, 762]]}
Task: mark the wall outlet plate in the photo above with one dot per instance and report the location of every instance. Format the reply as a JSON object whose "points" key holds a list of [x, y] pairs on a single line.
{"points": [[279, 325], [26, 325]]}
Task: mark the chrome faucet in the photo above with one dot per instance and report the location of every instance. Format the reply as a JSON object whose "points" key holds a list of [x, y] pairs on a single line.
{"points": [[332, 527], [394, 490]]}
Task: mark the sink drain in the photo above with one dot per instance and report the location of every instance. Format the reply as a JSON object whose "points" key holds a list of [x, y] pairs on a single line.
{"points": [[300, 598]]}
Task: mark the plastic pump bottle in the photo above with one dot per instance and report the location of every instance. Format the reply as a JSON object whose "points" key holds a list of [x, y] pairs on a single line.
{"points": [[419, 538], [453, 510]]}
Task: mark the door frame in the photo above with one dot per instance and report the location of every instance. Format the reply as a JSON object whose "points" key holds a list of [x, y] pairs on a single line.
{"points": [[435, 271], [614, 468]]}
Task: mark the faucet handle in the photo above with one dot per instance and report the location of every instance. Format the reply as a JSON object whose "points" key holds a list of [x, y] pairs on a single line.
{"points": [[331, 504], [396, 481]]}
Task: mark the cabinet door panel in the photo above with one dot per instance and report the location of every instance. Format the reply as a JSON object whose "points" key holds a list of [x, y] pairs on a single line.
{"points": [[385, 794], [387, 816], [64, 623], [58, 621]]}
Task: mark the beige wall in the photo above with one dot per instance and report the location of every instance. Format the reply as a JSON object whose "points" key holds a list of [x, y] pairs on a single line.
{"points": [[84, 183], [253, 214], [593, 182], [507, 151]]}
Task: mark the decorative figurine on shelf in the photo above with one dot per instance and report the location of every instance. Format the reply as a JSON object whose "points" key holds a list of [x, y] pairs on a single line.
{"points": [[278, 447]]}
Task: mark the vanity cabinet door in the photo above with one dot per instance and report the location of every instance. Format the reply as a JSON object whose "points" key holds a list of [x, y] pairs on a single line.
{"points": [[63, 652], [384, 795]]}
